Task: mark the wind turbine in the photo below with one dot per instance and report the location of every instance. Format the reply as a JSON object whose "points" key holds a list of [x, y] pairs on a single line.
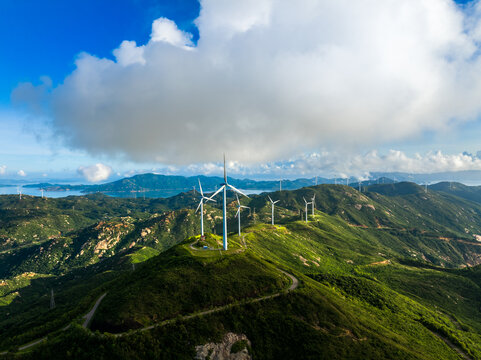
{"points": [[223, 188], [312, 203], [19, 191], [42, 192], [238, 213], [201, 206], [307, 203], [272, 203]]}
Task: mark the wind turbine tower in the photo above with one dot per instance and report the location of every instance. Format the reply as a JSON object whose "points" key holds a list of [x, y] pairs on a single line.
{"points": [[313, 201], [272, 204], [238, 213], [201, 206], [224, 206], [307, 203]]}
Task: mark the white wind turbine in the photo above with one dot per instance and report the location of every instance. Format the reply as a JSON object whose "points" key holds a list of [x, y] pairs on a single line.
{"points": [[307, 203], [201, 206], [19, 191], [272, 203], [223, 188], [313, 201], [238, 213]]}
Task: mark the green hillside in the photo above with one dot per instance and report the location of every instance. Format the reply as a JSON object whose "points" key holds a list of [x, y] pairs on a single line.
{"points": [[387, 273], [472, 193]]}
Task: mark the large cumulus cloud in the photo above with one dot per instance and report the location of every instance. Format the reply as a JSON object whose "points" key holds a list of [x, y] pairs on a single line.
{"points": [[268, 79]]}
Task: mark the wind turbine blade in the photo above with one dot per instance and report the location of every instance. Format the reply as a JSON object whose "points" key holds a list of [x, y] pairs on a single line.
{"points": [[269, 198], [276, 201], [237, 213], [208, 199], [200, 187], [240, 192], [314, 197], [218, 191], [199, 205], [237, 197], [244, 207], [305, 200]]}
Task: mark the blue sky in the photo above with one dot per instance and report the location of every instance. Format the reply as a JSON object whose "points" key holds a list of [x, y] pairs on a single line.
{"points": [[47, 38], [44, 37]]}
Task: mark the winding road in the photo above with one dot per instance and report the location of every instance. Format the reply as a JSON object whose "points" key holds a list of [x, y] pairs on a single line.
{"points": [[91, 313], [294, 284], [88, 317]]}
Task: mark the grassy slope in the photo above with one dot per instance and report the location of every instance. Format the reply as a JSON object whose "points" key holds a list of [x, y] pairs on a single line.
{"points": [[177, 283], [341, 310], [352, 303]]}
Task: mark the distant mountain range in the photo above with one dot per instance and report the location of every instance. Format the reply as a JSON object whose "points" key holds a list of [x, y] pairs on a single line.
{"points": [[466, 177], [169, 185], [154, 182]]}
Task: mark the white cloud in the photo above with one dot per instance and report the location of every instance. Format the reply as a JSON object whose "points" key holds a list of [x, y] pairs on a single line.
{"points": [[3, 169], [398, 161], [21, 173], [128, 53], [271, 79], [95, 173], [165, 30], [339, 164]]}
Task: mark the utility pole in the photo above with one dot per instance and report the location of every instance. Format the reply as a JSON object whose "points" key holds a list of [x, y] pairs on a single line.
{"points": [[52, 300]]}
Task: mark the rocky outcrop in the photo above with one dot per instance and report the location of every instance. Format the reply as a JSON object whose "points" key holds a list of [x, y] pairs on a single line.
{"points": [[223, 350]]}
